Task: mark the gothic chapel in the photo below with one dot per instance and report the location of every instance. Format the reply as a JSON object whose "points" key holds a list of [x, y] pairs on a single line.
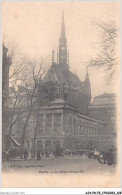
{"points": [[64, 121], [75, 93]]}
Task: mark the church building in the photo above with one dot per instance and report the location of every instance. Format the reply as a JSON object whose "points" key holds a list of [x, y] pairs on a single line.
{"points": [[64, 121]]}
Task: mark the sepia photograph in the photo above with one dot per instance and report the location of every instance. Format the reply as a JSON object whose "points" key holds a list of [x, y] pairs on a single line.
{"points": [[60, 94]]}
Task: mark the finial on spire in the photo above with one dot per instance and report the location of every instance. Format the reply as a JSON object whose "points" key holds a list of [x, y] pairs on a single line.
{"points": [[63, 26], [62, 15]]}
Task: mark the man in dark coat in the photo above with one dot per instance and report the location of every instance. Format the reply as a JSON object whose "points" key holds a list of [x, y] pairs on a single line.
{"points": [[25, 154], [38, 155]]}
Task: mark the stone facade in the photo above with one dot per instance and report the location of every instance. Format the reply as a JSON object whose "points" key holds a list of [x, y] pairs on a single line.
{"points": [[104, 108], [61, 124]]}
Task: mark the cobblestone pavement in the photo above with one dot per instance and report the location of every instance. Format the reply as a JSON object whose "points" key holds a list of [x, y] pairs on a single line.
{"points": [[60, 165]]}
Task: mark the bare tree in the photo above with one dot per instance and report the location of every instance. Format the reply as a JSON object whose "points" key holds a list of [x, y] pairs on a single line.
{"points": [[37, 91], [21, 72], [107, 58], [31, 95], [17, 110], [27, 73], [9, 115], [46, 92], [17, 62]]}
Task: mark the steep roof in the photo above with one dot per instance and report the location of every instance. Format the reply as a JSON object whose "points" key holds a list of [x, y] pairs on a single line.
{"points": [[104, 99], [67, 77]]}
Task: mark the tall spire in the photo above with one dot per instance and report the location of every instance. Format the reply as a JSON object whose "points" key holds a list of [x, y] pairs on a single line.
{"points": [[87, 86], [63, 27], [63, 45]]}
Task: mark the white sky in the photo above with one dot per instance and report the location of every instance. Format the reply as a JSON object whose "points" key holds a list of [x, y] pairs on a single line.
{"points": [[35, 26]]}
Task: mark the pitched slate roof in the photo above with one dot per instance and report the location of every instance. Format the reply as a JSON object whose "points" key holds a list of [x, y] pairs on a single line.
{"points": [[104, 99], [66, 77]]}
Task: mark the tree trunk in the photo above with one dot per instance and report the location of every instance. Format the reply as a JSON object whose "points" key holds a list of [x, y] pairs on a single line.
{"points": [[9, 138], [34, 144], [24, 131]]}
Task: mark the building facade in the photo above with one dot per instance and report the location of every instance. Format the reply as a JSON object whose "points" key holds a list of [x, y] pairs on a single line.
{"points": [[61, 124], [104, 108], [6, 62]]}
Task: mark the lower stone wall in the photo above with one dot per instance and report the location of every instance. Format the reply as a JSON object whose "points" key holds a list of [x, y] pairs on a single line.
{"points": [[50, 145]]}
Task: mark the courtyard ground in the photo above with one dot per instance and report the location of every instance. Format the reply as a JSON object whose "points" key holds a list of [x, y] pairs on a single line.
{"points": [[81, 165]]}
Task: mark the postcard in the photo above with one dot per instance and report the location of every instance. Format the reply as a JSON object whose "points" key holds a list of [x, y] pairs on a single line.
{"points": [[60, 94]]}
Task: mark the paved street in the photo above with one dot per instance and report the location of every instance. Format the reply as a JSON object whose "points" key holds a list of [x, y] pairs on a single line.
{"points": [[72, 165]]}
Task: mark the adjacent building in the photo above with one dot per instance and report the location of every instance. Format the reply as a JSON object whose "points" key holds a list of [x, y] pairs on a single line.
{"points": [[6, 62], [104, 108]]}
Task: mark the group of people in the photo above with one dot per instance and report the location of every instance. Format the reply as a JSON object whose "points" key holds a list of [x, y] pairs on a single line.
{"points": [[57, 152], [11, 153], [108, 157]]}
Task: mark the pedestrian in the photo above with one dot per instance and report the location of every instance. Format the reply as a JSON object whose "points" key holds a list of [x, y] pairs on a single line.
{"points": [[25, 154], [46, 153], [111, 157], [42, 153], [7, 155], [21, 153], [32, 154], [38, 155], [3, 155]]}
